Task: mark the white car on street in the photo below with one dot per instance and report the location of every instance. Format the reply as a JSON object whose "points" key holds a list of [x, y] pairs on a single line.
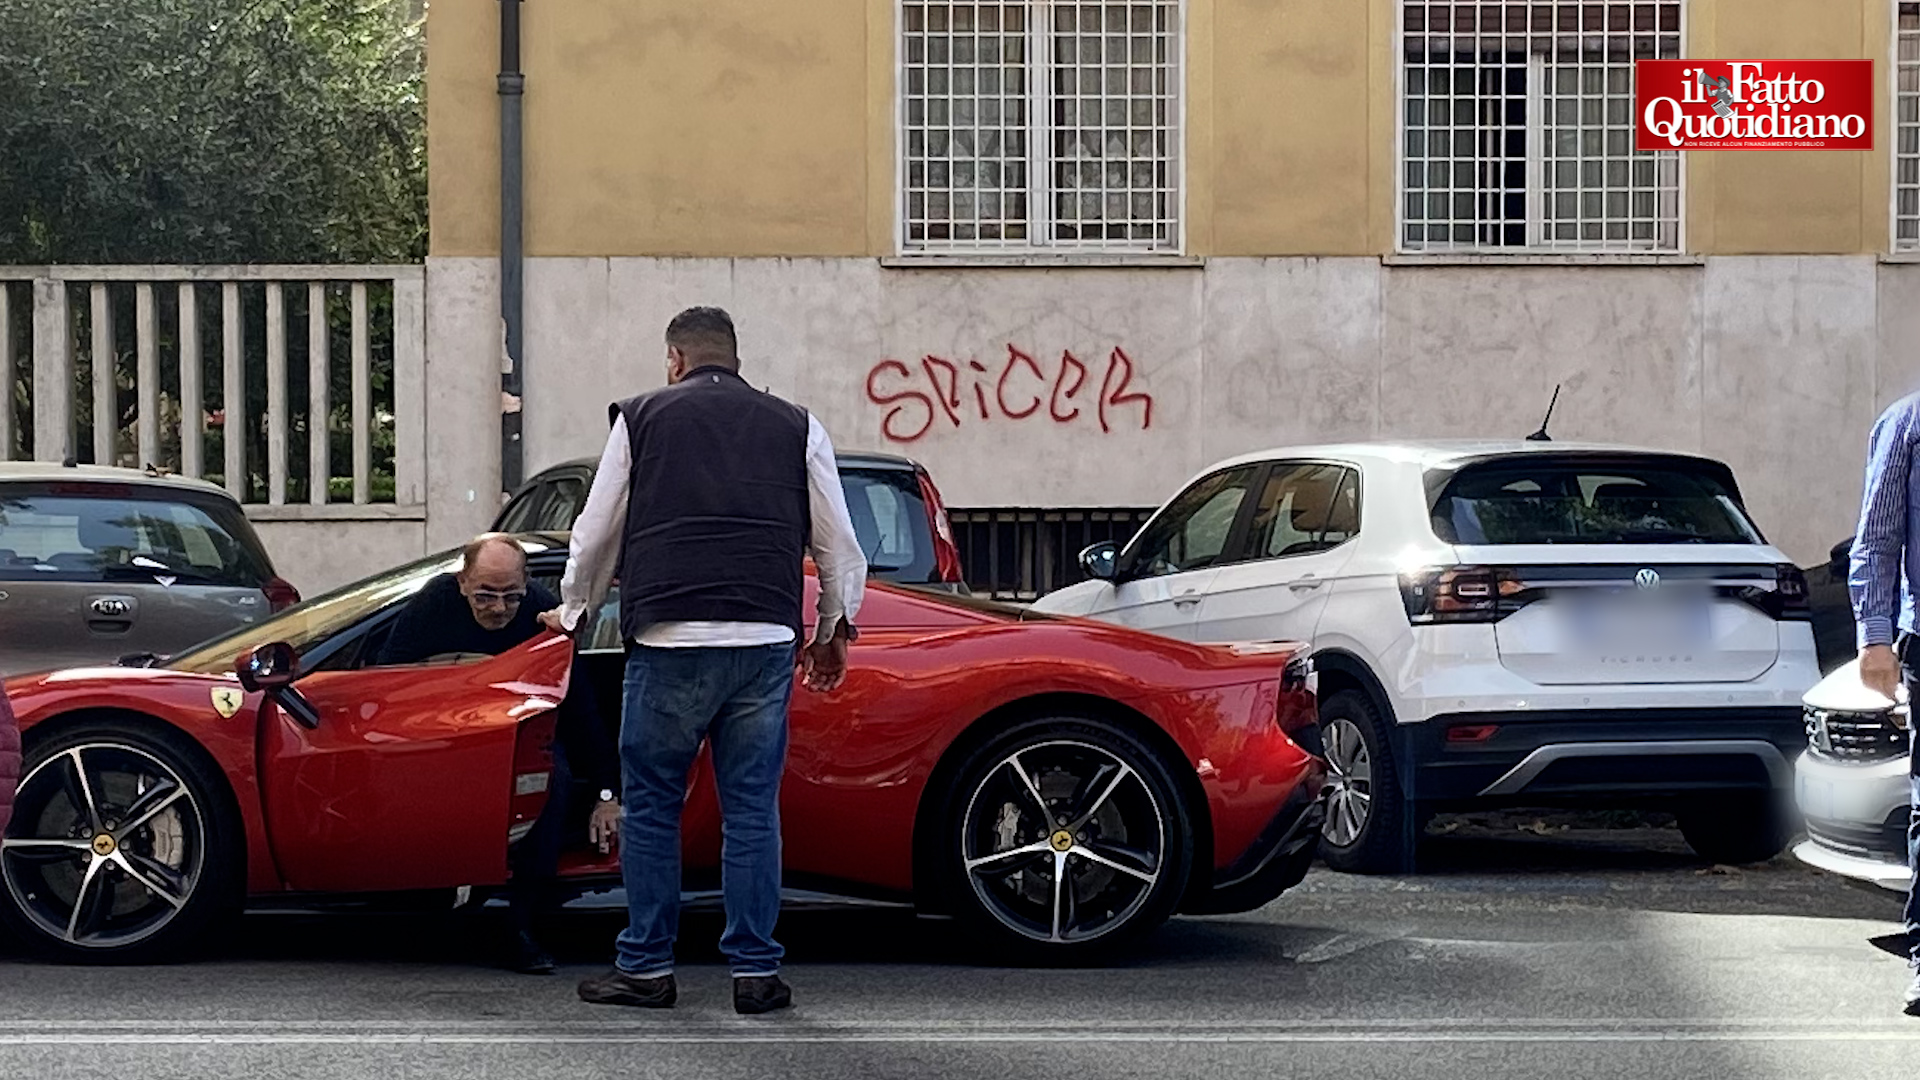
{"points": [[1853, 783], [1518, 622]]}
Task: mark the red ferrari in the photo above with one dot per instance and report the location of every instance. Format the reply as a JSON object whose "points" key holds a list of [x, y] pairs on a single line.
{"points": [[1060, 785]]}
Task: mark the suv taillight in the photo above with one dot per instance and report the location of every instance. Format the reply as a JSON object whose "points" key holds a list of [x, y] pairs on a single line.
{"points": [[945, 553], [1454, 594], [281, 595], [1788, 600]]}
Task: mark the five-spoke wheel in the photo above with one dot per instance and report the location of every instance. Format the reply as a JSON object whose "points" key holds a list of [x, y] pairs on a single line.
{"points": [[118, 848], [1070, 837]]}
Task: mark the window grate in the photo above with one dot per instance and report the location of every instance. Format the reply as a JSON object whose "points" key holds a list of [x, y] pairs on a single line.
{"points": [[1906, 155], [1015, 554], [1040, 125], [1517, 127]]}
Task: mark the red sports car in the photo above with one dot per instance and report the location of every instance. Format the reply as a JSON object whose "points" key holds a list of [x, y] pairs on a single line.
{"points": [[1060, 785]]}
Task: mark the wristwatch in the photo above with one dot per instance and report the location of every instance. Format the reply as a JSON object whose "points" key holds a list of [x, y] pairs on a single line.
{"points": [[606, 795]]}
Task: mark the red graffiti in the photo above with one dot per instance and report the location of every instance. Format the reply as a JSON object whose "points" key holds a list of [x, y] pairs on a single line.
{"points": [[1019, 388]]}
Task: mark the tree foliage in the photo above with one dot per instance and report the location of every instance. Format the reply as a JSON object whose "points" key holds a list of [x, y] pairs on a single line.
{"points": [[211, 131]]}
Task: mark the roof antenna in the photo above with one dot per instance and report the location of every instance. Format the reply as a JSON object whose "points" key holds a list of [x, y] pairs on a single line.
{"points": [[1541, 435]]}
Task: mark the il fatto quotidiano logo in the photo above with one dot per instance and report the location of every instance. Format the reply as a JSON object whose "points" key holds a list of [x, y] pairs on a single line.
{"points": [[1753, 104]]}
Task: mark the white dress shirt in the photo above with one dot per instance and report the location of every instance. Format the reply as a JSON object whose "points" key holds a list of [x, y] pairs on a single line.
{"points": [[838, 559]]}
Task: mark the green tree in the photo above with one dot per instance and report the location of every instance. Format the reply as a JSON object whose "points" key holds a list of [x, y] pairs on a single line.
{"points": [[211, 131]]}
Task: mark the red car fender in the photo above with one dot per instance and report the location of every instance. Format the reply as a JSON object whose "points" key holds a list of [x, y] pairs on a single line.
{"points": [[182, 702], [9, 759]]}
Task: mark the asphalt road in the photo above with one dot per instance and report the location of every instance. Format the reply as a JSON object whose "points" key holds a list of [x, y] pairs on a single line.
{"points": [[1572, 954]]}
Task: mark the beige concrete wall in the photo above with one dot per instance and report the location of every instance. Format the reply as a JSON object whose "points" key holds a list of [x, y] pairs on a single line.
{"points": [[318, 556], [1776, 364], [743, 128]]}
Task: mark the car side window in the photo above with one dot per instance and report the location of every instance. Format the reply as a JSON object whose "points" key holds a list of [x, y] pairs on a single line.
{"points": [[566, 497], [1303, 508], [1193, 531], [520, 514]]}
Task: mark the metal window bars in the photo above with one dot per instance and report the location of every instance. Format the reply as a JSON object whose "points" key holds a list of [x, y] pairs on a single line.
{"points": [[1906, 154], [1517, 127], [1038, 125]]}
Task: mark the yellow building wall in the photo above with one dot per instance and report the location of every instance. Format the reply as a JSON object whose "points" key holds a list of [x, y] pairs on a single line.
{"points": [[759, 128]]}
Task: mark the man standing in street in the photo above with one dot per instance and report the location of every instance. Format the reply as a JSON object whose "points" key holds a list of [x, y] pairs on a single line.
{"points": [[1885, 571], [707, 498]]}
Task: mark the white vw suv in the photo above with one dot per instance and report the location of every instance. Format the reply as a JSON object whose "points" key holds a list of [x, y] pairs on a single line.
{"points": [[1516, 622]]}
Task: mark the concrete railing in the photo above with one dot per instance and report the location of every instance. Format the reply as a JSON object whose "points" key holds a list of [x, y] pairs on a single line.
{"points": [[319, 370]]}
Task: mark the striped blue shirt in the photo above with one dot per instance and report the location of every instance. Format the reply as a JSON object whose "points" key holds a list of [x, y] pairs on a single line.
{"points": [[1886, 547]]}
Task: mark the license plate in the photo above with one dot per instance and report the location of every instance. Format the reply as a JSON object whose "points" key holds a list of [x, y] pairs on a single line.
{"points": [[1642, 623]]}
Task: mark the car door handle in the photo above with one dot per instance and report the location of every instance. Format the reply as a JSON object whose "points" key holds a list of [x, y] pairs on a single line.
{"points": [[1187, 599], [1302, 584]]}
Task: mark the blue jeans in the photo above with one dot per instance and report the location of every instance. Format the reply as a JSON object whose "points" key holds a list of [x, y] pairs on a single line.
{"points": [[736, 699]]}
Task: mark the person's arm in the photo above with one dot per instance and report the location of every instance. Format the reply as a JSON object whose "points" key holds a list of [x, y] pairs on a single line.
{"points": [[839, 561], [837, 555], [1879, 547], [594, 550]]}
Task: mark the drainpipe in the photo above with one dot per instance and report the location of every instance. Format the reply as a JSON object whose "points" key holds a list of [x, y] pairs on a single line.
{"points": [[512, 85]]}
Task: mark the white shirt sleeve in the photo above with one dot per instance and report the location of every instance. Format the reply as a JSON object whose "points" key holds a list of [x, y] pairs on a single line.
{"points": [[594, 551], [837, 555]]}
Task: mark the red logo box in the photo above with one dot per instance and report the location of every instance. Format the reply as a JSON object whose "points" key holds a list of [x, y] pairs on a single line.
{"points": [[1753, 104]]}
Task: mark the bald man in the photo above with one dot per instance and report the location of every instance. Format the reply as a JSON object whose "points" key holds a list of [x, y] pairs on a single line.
{"points": [[488, 607]]}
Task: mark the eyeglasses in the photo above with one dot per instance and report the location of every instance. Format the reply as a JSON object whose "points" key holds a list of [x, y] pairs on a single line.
{"points": [[489, 598]]}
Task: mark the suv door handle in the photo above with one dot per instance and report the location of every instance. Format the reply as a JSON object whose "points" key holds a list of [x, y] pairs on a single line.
{"points": [[1187, 599], [1306, 582]]}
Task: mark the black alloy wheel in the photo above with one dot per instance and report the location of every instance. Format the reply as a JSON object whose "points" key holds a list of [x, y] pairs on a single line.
{"points": [[122, 848], [1065, 837]]}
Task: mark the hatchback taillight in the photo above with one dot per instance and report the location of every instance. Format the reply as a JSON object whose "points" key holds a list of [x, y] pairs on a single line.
{"points": [[281, 594], [1788, 599], [946, 554], [1461, 594]]}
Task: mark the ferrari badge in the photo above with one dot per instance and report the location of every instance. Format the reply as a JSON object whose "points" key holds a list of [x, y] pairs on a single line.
{"points": [[227, 701]]}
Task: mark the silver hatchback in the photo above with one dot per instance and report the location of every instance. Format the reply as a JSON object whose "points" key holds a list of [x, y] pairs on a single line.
{"points": [[98, 565]]}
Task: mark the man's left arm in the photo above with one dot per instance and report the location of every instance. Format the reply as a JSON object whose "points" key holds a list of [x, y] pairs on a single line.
{"points": [[837, 557], [837, 554]]}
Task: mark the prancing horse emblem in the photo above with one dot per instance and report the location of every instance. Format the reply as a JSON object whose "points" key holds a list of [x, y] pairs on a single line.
{"points": [[227, 701], [1647, 579]]}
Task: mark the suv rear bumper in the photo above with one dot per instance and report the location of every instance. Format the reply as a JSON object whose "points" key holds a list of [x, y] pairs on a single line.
{"points": [[1599, 755]]}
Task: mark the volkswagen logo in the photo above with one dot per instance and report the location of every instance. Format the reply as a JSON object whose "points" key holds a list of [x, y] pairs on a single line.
{"points": [[1646, 579], [110, 607]]}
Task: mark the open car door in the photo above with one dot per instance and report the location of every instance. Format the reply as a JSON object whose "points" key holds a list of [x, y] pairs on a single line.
{"points": [[411, 777]]}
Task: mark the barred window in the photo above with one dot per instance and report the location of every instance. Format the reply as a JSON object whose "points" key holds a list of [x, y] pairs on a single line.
{"points": [[1906, 153], [1518, 127], [1040, 125]]}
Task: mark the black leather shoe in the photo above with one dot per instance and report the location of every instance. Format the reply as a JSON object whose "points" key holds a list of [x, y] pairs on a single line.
{"points": [[617, 987], [760, 994], [527, 957]]}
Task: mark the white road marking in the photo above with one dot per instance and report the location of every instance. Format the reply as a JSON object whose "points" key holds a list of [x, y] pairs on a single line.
{"points": [[797, 1029]]}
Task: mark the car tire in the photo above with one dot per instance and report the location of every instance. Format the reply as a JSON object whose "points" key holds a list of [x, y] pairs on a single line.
{"points": [[1127, 846], [1736, 829], [164, 861], [1370, 827]]}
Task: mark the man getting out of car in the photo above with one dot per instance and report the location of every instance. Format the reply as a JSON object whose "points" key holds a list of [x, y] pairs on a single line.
{"points": [[1885, 571], [488, 607], [708, 495]]}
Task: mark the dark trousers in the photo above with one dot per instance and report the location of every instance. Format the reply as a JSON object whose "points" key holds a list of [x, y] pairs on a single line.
{"points": [[535, 860], [583, 745]]}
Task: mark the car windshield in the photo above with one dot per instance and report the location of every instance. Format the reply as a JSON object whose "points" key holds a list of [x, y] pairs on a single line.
{"points": [[126, 533], [1546, 500], [308, 624]]}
